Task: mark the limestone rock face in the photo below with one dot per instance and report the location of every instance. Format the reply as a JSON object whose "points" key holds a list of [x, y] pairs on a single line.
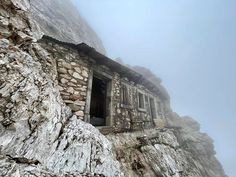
{"points": [[39, 136], [61, 20], [168, 152]]}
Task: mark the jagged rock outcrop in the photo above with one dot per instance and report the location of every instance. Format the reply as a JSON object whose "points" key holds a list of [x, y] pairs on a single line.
{"points": [[38, 133], [179, 150], [39, 136], [61, 20]]}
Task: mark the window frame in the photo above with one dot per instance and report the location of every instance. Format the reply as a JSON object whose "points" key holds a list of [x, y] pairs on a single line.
{"points": [[128, 104], [159, 109], [142, 109], [153, 113]]}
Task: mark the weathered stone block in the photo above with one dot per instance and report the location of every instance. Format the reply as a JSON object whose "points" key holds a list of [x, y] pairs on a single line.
{"points": [[62, 70], [118, 111], [77, 76], [85, 68], [70, 90], [81, 89], [84, 73], [73, 80], [77, 69], [74, 107], [59, 64], [71, 84], [76, 97], [64, 81], [83, 93], [66, 76], [80, 103], [77, 93], [60, 60], [73, 64], [66, 65], [70, 72], [80, 113]]}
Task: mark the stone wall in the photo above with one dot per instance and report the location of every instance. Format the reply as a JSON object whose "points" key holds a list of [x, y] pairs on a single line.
{"points": [[73, 72], [72, 75], [73, 79], [132, 117]]}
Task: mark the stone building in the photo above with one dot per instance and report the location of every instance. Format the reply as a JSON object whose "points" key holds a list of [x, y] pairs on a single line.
{"points": [[103, 92]]}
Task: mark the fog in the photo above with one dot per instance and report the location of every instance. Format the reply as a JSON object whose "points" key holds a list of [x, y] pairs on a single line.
{"points": [[190, 45]]}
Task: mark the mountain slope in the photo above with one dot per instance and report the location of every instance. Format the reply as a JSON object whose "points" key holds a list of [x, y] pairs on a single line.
{"points": [[60, 19], [39, 136]]}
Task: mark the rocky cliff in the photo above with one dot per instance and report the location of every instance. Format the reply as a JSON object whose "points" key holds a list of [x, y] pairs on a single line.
{"points": [[61, 20], [39, 136], [179, 150]]}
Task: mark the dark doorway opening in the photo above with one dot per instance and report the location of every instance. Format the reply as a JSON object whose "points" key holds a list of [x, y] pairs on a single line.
{"points": [[98, 102]]}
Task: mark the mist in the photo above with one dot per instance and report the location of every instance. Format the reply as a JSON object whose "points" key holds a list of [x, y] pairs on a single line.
{"points": [[190, 45]]}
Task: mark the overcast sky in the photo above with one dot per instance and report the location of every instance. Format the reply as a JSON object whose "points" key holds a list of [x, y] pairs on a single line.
{"points": [[190, 44]]}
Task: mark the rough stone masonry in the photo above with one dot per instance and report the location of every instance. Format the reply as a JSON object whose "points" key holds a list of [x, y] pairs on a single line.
{"points": [[131, 101]]}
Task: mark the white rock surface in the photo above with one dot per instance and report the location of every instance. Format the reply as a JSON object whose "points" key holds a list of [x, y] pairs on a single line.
{"points": [[77, 76], [168, 152]]}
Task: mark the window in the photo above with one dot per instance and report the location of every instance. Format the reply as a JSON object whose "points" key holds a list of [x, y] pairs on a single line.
{"points": [[124, 95], [141, 101], [147, 105], [153, 108], [146, 98], [159, 108]]}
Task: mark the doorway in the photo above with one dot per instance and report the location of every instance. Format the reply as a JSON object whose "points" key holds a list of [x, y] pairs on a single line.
{"points": [[99, 107]]}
